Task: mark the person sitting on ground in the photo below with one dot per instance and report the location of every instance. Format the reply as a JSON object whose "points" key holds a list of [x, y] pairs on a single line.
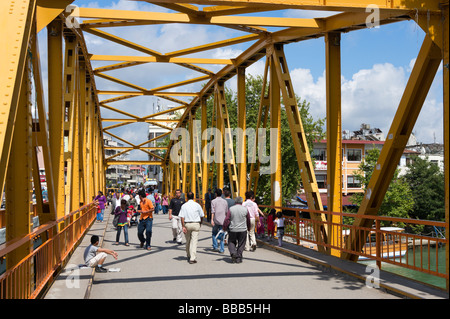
{"points": [[95, 256]]}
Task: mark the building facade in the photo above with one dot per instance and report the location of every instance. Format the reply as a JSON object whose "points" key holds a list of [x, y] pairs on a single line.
{"points": [[353, 153], [116, 175], [154, 172]]}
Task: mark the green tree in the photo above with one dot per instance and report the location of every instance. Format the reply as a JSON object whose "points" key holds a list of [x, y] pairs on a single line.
{"points": [[312, 127], [428, 189], [398, 200]]}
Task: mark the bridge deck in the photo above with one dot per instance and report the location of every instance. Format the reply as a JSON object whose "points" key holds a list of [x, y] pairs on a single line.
{"points": [[165, 273]]}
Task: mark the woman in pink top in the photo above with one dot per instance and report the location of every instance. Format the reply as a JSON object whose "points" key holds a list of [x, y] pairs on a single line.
{"points": [[165, 204]]}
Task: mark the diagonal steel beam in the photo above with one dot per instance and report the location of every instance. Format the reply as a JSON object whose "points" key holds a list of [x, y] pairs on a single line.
{"points": [[416, 90]]}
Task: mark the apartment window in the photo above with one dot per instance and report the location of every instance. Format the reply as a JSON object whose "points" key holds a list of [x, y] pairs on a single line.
{"points": [[321, 181], [319, 154], [354, 155], [353, 182]]}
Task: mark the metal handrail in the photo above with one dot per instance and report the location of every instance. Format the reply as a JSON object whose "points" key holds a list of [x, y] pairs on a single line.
{"points": [[29, 276], [391, 249]]}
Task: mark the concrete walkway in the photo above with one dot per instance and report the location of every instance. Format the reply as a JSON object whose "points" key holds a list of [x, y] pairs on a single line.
{"points": [[164, 273]]}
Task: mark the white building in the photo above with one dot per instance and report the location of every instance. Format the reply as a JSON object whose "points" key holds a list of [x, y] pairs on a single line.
{"points": [[154, 171], [433, 152], [117, 175]]}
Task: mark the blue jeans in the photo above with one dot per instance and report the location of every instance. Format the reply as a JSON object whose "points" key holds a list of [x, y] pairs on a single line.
{"points": [[125, 231], [147, 225], [100, 215], [215, 231]]}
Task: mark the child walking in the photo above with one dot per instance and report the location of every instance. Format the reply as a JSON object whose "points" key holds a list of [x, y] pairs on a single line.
{"points": [[270, 224], [122, 212], [280, 228]]}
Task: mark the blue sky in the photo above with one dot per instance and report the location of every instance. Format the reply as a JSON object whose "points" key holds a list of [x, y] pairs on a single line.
{"points": [[375, 63]]}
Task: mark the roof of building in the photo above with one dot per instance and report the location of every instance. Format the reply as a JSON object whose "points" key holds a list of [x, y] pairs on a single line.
{"points": [[354, 142]]}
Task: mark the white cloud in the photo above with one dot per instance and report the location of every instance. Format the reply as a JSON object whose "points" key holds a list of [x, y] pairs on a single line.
{"points": [[308, 14], [372, 96]]}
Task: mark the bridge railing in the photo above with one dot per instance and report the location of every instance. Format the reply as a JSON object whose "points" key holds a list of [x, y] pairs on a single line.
{"points": [[27, 279], [392, 244]]}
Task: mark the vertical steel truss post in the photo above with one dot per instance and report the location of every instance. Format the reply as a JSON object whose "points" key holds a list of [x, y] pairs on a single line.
{"points": [[56, 110], [205, 169], [193, 154], [98, 156], [300, 144], [13, 50], [334, 135], [168, 175], [184, 165], [101, 154], [42, 134], [83, 96], [214, 164], [416, 90], [275, 125], [90, 146], [263, 115], [169, 178], [18, 190], [227, 139], [446, 114], [95, 150], [70, 117], [74, 140], [436, 27], [242, 140], [177, 176], [197, 140], [36, 140], [164, 169], [218, 149]]}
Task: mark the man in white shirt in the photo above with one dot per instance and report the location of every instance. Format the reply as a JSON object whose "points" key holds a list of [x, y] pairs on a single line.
{"points": [[138, 199], [191, 215]]}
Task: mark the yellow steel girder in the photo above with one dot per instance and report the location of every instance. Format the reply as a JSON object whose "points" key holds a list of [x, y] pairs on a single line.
{"points": [[419, 83], [13, 46]]}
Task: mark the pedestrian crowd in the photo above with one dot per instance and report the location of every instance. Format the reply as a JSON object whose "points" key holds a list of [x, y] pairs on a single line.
{"points": [[236, 222]]}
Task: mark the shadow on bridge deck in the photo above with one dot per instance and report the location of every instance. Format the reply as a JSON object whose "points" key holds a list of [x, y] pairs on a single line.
{"points": [[270, 272]]}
